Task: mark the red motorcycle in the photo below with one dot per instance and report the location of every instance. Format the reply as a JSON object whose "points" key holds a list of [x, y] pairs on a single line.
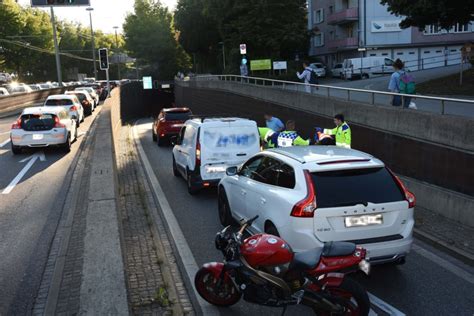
{"points": [[264, 269]]}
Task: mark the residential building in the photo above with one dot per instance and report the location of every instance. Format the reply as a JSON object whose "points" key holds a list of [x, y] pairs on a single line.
{"points": [[344, 27]]}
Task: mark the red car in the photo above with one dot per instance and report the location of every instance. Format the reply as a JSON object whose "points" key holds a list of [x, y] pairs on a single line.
{"points": [[169, 123]]}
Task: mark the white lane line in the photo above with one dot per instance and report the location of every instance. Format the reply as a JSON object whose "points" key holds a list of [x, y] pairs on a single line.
{"points": [[182, 246], [23, 171], [445, 264], [4, 143]]}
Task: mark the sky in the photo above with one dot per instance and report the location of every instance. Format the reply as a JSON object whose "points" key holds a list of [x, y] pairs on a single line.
{"points": [[106, 14]]}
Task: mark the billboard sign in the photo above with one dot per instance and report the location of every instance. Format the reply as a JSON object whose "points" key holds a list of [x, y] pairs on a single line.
{"points": [[147, 83], [261, 64], [280, 65], [385, 26]]}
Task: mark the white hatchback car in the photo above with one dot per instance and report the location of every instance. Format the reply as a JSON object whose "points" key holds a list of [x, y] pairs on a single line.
{"points": [[70, 102], [205, 148], [91, 91], [316, 194], [43, 127], [319, 69]]}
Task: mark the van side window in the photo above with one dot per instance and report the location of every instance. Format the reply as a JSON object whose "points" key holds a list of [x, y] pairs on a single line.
{"points": [[189, 135]]}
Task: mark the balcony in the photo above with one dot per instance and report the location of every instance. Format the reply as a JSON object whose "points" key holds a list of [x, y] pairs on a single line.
{"points": [[344, 16], [343, 44]]}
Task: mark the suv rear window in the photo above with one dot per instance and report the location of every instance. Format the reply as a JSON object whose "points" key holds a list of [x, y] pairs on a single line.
{"points": [[177, 116], [58, 102], [351, 187], [37, 122]]}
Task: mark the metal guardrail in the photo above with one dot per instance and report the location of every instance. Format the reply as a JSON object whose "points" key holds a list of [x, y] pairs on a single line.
{"points": [[371, 97]]}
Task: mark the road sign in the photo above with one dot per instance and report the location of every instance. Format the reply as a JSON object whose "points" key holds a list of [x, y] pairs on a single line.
{"points": [[261, 64], [147, 83], [104, 59], [243, 49], [60, 3], [280, 65]]}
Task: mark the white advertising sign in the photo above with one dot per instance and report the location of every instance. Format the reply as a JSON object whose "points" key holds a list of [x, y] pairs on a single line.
{"points": [[279, 65], [386, 26], [243, 49]]}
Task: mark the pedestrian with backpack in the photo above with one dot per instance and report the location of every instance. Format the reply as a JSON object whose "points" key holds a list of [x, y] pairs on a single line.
{"points": [[401, 82], [309, 76]]}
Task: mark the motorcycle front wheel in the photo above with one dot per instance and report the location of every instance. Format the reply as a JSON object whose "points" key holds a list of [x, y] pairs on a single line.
{"points": [[217, 291], [351, 296]]}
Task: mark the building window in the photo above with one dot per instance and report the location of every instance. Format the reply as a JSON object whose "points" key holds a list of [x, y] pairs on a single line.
{"points": [[372, 54], [331, 9], [318, 16], [426, 52], [435, 29], [331, 35], [411, 53], [319, 40], [400, 53], [384, 54]]}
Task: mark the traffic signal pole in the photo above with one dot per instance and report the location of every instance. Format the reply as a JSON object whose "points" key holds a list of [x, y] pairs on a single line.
{"points": [[56, 48]]}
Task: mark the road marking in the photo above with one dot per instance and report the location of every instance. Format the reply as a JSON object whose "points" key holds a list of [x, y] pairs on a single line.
{"points": [[182, 246], [4, 143], [443, 263], [32, 159]]}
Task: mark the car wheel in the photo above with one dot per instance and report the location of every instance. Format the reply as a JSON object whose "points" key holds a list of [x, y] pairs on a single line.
{"points": [[154, 135], [67, 144], [175, 168], [271, 229], [192, 189], [16, 150], [225, 215]]}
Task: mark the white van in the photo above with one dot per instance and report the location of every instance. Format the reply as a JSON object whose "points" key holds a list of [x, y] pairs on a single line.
{"points": [[206, 147], [366, 67]]}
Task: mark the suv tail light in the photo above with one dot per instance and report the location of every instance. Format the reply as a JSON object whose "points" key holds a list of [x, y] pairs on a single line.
{"points": [[307, 206], [17, 124], [57, 123], [198, 153], [73, 108], [410, 197]]}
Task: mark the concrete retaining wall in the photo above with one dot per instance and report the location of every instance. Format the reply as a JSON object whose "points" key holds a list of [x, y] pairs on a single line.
{"points": [[11, 101]]}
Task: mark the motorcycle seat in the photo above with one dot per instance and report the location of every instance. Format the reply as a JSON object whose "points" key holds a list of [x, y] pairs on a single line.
{"points": [[338, 248], [306, 260]]}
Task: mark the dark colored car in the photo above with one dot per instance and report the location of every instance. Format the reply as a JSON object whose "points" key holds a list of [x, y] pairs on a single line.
{"points": [[168, 123]]}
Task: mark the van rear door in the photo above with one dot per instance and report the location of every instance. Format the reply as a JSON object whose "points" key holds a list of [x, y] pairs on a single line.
{"points": [[227, 143]]}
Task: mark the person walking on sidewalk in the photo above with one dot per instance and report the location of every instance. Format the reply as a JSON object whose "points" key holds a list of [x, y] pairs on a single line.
{"points": [[342, 131], [290, 137], [273, 122], [309, 76], [401, 82]]}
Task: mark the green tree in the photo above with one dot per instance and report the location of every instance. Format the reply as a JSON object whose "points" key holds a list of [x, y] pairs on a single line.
{"points": [[420, 13], [150, 37]]}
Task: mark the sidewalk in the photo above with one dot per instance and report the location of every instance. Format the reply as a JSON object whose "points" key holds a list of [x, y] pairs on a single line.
{"points": [[108, 257]]}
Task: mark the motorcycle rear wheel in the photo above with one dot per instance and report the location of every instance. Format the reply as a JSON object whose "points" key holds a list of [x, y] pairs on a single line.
{"points": [[352, 296], [224, 294]]}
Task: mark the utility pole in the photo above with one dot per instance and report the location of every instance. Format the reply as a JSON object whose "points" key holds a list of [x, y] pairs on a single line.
{"points": [[56, 49], [90, 9], [223, 55], [117, 51]]}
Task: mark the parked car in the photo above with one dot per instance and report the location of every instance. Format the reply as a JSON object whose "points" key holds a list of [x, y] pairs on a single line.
{"points": [[168, 123], [315, 194], [337, 71], [70, 102], [43, 127], [86, 100], [366, 67], [45, 86], [319, 69], [34, 87], [4, 92], [91, 91], [205, 147], [18, 88]]}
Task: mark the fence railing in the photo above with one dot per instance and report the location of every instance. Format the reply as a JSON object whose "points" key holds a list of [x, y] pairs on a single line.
{"points": [[440, 105]]}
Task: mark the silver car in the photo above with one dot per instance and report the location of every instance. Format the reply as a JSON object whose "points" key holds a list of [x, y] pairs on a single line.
{"points": [[43, 127], [91, 91]]}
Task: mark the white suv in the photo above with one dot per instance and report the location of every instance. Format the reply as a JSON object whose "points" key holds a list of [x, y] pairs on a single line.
{"points": [[316, 194], [43, 127], [70, 102], [206, 147]]}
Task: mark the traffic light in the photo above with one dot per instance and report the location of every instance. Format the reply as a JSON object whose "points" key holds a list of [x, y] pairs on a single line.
{"points": [[103, 59], [42, 3]]}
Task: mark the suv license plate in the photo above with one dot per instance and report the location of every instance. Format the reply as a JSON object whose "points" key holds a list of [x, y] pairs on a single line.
{"points": [[364, 220], [37, 136]]}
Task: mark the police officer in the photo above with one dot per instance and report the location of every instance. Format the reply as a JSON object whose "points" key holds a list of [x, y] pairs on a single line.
{"points": [[268, 137], [342, 131], [320, 138], [290, 137]]}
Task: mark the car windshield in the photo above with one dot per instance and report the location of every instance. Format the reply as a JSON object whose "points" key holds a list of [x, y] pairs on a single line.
{"points": [[37, 122], [351, 187], [177, 116], [317, 66], [58, 102]]}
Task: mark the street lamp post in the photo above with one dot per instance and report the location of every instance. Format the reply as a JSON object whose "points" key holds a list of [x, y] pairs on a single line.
{"points": [[90, 9], [116, 51], [223, 54], [56, 49]]}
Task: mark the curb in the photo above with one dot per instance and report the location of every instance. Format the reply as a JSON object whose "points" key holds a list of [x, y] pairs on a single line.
{"points": [[444, 246]]}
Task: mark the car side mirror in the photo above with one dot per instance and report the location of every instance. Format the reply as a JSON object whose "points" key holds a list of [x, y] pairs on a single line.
{"points": [[231, 171]]}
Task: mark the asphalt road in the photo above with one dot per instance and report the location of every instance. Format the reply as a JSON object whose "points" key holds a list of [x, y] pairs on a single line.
{"points": [[29, 215], [430, 283]]}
